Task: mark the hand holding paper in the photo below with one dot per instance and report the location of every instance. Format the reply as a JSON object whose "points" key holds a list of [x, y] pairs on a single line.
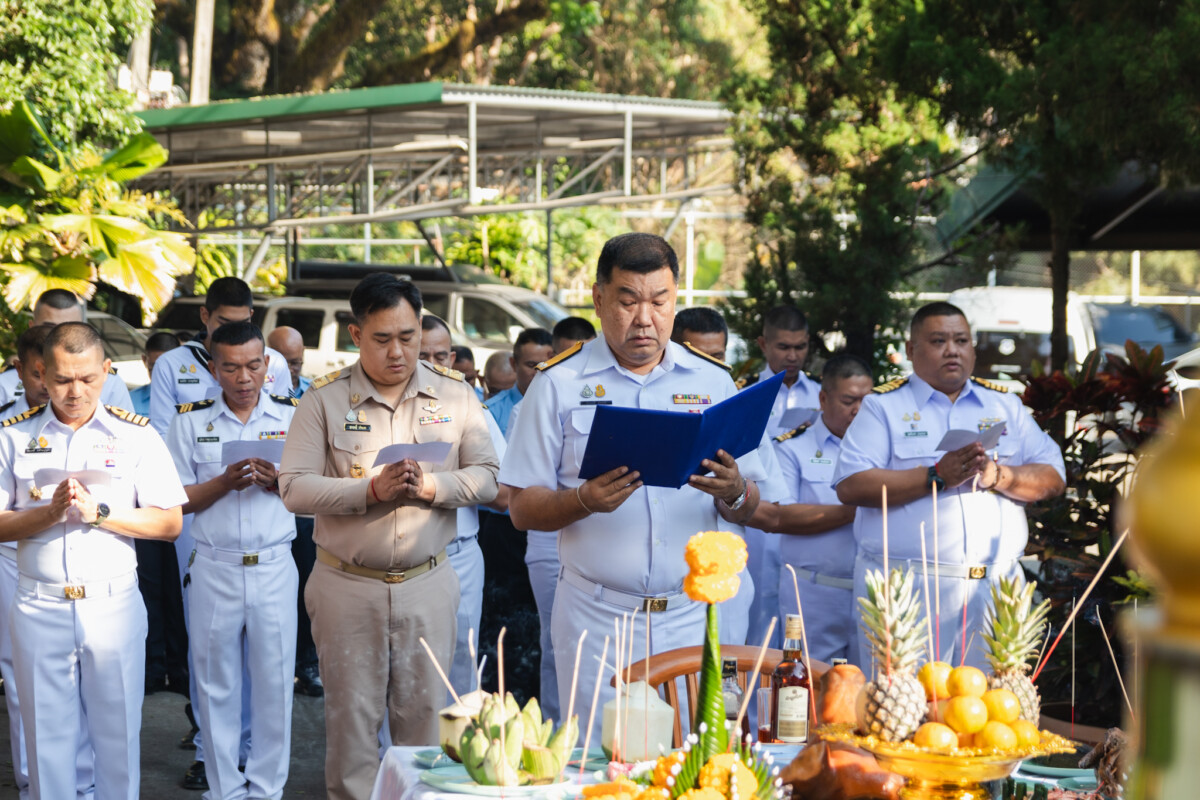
{"points": [[429, 452], [269, 450], [958, 438]]}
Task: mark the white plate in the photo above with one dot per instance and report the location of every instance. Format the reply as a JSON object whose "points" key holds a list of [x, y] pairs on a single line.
{"points": [[455, 779]]}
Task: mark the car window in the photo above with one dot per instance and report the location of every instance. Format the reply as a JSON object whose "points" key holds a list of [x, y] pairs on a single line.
{"points": [[543, 312], [1146, 325], [121, 343], [1010, 354], [344, 342], [306, 320], [483, 319], [436, 304], [180, 317]]}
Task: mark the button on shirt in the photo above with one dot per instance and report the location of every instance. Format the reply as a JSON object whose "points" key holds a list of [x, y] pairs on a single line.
{"points": [[638, 548], [501, 406], [253, 518], [807, 461], [900, 429], [181, 376], [801, 394], [140, 474]]}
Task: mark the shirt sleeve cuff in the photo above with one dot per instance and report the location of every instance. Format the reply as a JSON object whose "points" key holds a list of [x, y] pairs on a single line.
{"points": [[355, 495]]}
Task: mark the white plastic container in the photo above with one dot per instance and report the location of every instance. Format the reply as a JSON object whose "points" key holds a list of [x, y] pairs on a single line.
{"points": [[647, 723]]}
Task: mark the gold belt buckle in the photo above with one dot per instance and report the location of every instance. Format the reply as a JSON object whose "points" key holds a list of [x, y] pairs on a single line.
{"points": [[977, 573], [650, 604], [250, 559], [73, 591], [393, 576]]}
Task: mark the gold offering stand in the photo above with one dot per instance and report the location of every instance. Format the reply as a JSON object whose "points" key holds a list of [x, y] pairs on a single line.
{"points": [[944, 774]]}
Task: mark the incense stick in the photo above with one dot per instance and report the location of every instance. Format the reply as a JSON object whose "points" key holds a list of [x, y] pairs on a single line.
{"points": [[438, 667], [1072, 622], [646, 715], [804, 643], [1116, 667], [752, 680], [928, 617], [503, 697], [571, 702], [887, 586], [1111, 553], [587, 739], [937, 578], [628, 676], [617, 656], [962, 658]]}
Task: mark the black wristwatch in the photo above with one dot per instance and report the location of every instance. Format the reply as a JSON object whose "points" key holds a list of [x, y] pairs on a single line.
{"points": [[933, 479], [102, 512]]}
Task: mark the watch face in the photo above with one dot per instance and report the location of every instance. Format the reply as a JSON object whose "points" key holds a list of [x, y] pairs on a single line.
{"points": [[102, 510]]}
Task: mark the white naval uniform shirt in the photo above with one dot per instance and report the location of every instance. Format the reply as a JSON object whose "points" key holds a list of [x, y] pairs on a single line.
{"points": [[8, 410], [801, 394], [141, 474], [900, 428], [807, 460], [638, 548], [249, 520], [181, 376], [113, 393]]}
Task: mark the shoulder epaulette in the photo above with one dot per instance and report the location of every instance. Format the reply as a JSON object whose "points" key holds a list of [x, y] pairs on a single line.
{"points": [[284, 400], [890, 386], [8, 405], [128, 416], [453, 374], [561, 357], [325, 380], [6, 367], [184, 408], [112, 370], [24, 415], [985, 383], [746, 380], [697, 352], [794, 432]]}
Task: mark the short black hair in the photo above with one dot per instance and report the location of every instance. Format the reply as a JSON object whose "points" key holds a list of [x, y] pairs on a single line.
{"points": [[229, 292], [74, 337], [431, 322], [31, 342], [61, 299], [463, 353], [698, 319], [577, 329], [938, 308], [535, 336], [380, 291], [784, 318], [642, 253], [161, 342], [844, 365], [235, 333]]}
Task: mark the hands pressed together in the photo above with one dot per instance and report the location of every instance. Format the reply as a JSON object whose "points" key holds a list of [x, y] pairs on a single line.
{"points": [[251, 472], [71, 494], [403, 481], [959, 466]]}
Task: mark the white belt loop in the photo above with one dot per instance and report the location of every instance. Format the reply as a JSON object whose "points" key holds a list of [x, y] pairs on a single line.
{"points": [[246, 558]]}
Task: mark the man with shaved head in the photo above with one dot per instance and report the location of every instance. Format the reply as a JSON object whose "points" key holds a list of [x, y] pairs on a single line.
{"points": [[290, 345]]}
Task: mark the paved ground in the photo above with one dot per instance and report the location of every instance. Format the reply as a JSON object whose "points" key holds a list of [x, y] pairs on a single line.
{"points": [[163, 763]]}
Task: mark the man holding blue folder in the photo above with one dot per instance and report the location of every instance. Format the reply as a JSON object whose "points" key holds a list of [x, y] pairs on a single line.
{"points": [[622, 543]]}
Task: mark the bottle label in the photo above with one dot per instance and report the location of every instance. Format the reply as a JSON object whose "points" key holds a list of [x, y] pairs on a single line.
{"points": [[793, 714]]}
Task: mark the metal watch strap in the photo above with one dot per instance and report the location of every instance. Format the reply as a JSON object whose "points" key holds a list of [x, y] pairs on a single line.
{"points": [[741, 498]]}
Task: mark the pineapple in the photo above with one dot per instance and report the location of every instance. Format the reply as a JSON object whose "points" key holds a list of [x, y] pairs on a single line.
{"points": [[892, 706], [1015, 629]]}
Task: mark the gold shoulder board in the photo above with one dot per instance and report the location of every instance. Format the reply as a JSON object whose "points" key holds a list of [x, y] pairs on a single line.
{"points": [[561, 357], [985, 383], [285, 401], [325, 380], [184, 408], [112, 370], [128, 416], [706, 356], [23, 416], [449, 373], [794, 432], [890, 386]]}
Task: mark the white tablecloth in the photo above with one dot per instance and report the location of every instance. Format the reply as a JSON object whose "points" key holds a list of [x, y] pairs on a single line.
{"points": [[399, 778]]}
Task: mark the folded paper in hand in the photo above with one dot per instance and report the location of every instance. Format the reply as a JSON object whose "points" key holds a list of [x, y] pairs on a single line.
{"points": [[429, 452], [795, 417], [666, 447], [265, 449], [958, 439]]}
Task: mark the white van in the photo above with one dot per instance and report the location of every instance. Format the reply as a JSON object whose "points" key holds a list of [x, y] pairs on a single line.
{"points": [[1012, 326]]}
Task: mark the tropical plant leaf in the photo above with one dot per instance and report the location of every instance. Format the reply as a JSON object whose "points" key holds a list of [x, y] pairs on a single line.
{"points": [[32, 174], [139, 155], [145, 269], [20, 133], [27, 281]]}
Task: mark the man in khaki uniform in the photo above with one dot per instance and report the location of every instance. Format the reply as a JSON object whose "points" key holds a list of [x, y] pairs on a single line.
{"points": [[381, 581]]}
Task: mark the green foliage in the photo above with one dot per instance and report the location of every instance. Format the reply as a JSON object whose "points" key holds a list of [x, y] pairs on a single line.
{"points": [[61, 56]]}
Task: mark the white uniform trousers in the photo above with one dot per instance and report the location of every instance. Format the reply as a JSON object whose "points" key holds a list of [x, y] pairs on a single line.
{"points": [[467, 560], [77, 656], [576, 610], [243, 618], [735, 613], [764, 565], [953, 592], [830, 616], [541, 559]]}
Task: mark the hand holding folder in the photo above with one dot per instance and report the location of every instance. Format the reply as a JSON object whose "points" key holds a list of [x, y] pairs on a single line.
{"points": [[666, 447]]}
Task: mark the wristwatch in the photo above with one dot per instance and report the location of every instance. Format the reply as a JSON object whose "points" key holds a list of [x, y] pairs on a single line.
{"points": [[933, 479], [102, 512], [741, 498]]}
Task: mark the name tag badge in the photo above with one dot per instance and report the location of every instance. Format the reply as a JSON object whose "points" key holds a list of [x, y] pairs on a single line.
{"points": [[820, 461], [916, 433], [189, 380], [358, 427], [435, 419], [595, 402], [204, 439], [38, 445]]}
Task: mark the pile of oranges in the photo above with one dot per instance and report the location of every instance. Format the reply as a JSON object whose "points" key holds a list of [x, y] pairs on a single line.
{"points": [[964, 712]]}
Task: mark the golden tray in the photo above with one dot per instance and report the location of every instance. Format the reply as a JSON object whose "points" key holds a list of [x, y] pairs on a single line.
{"points": [[957, 774]]}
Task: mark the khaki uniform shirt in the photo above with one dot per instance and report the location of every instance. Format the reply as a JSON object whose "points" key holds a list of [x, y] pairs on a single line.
{"points": [[329, 458]]}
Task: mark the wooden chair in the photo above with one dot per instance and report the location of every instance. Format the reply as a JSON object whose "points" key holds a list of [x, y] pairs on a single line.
{"points": [[665, 670]]}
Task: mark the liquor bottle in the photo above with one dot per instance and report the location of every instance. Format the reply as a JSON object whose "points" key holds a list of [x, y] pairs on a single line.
{"points": [[790, 688], [731, 692]]}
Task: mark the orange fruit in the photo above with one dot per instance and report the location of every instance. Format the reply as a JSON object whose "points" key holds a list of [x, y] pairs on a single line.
{"points": [[966, 681], [966, 740], [936, 736], [966, 714], [996, 736], [1002, 705], [933, 675], [1027, 733]]}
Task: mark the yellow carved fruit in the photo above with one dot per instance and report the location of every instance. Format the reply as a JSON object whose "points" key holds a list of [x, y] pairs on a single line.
{"points": [[664, 765], [726, 768], [620, 789], [702, 794], [714, 560]]}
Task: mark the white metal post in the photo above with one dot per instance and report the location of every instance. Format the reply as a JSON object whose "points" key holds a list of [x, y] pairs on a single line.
{"points": [[472, 156], [689, 297], [628, 153], [202, 40], [1135, 278]]}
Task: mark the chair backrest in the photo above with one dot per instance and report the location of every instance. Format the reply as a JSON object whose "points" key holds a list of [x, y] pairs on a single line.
{"points": [[665, 669]]}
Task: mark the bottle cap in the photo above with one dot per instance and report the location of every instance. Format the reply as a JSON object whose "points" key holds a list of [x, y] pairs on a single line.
{"points": [[794, 628]]}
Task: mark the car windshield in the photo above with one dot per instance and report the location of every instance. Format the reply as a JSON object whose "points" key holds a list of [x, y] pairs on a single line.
{"points": [[1146, 325], [1010, 355], [544, 312]]}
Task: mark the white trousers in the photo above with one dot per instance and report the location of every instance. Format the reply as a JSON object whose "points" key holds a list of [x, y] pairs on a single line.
{"points": [[243, 619], [830, 617], [468, 565], [541, 558], [74, 658], [764, 565]]}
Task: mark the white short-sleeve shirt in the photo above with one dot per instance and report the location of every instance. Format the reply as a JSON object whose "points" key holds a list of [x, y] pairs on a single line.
{"points": [[807, 461]]}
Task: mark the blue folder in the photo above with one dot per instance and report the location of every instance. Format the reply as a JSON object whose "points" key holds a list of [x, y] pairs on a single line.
{"points": [[666, 447]]}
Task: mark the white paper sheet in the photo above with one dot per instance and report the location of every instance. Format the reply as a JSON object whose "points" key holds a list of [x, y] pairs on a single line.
{"points": [[266, 449], [958, 439], [429, 452], [51, 478], [795, 417]]}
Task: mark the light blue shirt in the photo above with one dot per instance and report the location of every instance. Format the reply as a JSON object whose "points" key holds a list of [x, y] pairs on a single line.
{"points": [[638, 548], [501, 406], [299, 391], [140, 398], [113, 393], [900, 429], [246, 520], [468, 516], [807, 461]]}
